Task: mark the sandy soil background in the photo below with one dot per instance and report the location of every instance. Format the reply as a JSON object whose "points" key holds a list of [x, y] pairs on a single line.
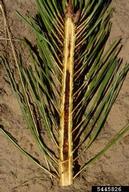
{"points": [[17, 173]]}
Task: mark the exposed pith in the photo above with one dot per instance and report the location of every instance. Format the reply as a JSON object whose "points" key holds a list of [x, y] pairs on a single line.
{"points": [[66, 158]]}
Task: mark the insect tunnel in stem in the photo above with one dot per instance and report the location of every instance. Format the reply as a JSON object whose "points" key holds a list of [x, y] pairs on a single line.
{"points": [[66, 157]]}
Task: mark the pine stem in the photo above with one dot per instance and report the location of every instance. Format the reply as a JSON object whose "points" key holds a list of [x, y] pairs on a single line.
{"points": [[66, 157]]}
